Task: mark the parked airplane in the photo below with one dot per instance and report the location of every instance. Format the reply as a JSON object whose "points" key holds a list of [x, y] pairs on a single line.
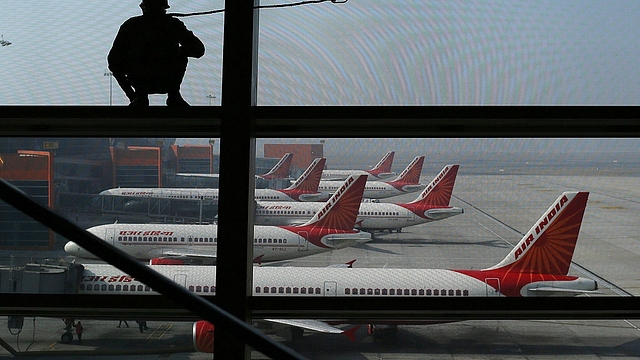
{"points": [[407, 182], [305, 188], [279, 171], [432, 204], [331, 228], [537, 266], [381, 171]]}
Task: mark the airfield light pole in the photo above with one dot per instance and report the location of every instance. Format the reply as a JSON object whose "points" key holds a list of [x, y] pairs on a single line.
{"points": [[110, 75]]}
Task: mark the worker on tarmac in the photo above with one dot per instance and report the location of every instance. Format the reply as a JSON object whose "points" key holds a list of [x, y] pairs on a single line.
{"points": [[149, 54]]}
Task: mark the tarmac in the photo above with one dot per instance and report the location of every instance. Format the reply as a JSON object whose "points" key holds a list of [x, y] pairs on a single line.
{"points": [[498, 210]]}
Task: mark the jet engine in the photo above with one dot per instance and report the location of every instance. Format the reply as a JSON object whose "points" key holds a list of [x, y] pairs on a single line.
{"points": [[203, 336]]}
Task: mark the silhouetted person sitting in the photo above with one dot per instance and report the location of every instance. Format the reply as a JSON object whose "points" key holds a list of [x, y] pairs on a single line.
{"points": [[149, 54]]}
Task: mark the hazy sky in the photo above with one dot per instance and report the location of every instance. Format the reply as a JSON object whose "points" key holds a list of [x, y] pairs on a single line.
{"points": [[364, 153], [364, 52]]}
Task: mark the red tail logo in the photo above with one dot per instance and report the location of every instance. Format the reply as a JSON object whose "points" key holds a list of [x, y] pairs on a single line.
{"points": [[384, 165], [341, 210], [410, 175], [280, 170], [545, 252], [308, 182], [439, 190]]}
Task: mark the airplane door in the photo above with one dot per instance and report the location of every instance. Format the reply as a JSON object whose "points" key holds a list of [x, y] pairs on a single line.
{"points": [[180, 279], [411, 215], [330, 288], [110, 236], [303, 244], [493, 286]]}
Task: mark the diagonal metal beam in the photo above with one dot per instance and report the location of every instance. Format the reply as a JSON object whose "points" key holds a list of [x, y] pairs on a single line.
{"points": [[207, 311]]}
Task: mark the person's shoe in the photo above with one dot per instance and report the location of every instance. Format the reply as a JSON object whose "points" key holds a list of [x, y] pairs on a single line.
{"points": [[140, 102], [175, 100]]}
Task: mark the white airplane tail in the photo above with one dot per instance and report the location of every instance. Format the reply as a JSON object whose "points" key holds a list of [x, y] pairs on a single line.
{"points": [[309, 181], [280, 170], [411, 174], [439, 190], [384, 165], [548, 247], [341, 210]]}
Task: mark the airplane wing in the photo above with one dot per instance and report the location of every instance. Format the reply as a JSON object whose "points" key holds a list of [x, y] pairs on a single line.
{"points": [[192, 256], [192, 253], [314, 197], [318, 326], [313, 325], [552, 291]]}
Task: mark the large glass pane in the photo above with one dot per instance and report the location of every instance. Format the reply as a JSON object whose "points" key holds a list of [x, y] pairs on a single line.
{"points": [[502, 188], [55, 53], [377, 52]]}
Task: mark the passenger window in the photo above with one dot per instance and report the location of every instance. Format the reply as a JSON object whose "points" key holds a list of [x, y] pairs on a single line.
{"points": [[318, 291]]}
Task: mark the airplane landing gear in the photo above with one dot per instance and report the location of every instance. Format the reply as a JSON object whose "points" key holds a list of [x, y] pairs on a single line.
{"points": [[66, 338], [383, 333]]}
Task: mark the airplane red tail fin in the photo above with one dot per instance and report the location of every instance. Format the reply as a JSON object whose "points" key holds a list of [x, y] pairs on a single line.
{"points": [[548, 247], [384, 165], [439, 190], [280, 170], [309, 181], [411, 174], [341, 210]]}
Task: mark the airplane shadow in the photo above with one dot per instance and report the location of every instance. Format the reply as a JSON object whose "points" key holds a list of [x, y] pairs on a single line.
{"points": [[430, 343]]}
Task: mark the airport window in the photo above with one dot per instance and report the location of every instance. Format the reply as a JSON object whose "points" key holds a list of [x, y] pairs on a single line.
{"points": [[442, 84]]}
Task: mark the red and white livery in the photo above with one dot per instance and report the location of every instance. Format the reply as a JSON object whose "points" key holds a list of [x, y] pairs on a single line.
{"points": [[432, 204], [330, 229], [537, 266], [305, 188], [407, 182], [280, 170], [381, 171]]}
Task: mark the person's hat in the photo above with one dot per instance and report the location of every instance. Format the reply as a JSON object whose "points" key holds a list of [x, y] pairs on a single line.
{"points": [[155, 4]]}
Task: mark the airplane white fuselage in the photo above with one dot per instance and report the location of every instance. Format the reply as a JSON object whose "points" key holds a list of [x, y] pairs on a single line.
{"points": [[371, 216], [372, 189], [148, 241], [205, 194], [341, 175], [308, 281]]}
